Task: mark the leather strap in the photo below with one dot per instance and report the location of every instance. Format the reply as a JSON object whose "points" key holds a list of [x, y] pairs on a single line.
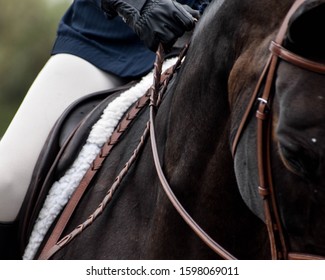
{"points": [[278, 244], [277, 241], [249, 108], [266, 189], [299, 256], [297, 60]]}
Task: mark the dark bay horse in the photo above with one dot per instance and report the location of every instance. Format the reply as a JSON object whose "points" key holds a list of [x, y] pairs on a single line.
{"points": [[196, 125]]}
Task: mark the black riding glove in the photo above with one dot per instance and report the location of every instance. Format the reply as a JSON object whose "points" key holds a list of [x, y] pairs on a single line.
{"points": [[154, 21]]}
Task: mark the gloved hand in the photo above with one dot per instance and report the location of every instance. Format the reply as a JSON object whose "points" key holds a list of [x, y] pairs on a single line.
{"points": [[154, 21]]}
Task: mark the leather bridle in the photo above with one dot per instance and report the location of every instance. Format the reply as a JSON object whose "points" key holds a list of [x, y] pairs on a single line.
{"points": [[279, 248]]}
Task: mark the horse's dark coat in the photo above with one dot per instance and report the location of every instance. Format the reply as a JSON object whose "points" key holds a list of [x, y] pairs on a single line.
{"points": [[196, 124]]}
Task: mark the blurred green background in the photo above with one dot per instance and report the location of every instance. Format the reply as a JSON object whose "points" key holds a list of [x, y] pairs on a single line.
{"points": [[27, 33]]}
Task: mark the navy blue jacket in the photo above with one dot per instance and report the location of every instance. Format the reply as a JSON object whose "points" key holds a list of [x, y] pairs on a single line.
{"points": [[109, 44]]}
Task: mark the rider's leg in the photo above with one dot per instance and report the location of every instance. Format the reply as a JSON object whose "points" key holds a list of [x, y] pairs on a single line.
{"points": [[64, 79]]}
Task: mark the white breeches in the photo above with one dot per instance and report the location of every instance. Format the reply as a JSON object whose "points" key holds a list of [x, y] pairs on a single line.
{"points": [[64, 79]]}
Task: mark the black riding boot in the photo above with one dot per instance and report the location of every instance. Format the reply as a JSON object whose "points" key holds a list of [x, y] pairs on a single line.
{"points": [[9, 241]]}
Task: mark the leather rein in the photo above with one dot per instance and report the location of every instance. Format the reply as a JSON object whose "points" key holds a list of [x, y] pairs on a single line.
{"points": [[155, 94]]}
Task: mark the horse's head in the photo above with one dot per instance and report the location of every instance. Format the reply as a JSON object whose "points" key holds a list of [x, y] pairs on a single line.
{"points": [[299, 132]]}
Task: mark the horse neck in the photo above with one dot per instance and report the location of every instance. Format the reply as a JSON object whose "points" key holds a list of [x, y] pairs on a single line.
{"points": [[197, 121], [200, 112]]}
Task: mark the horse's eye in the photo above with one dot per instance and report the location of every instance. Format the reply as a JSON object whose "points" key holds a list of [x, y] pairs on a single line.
{"points": [[299, 162], [292, 159]]}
